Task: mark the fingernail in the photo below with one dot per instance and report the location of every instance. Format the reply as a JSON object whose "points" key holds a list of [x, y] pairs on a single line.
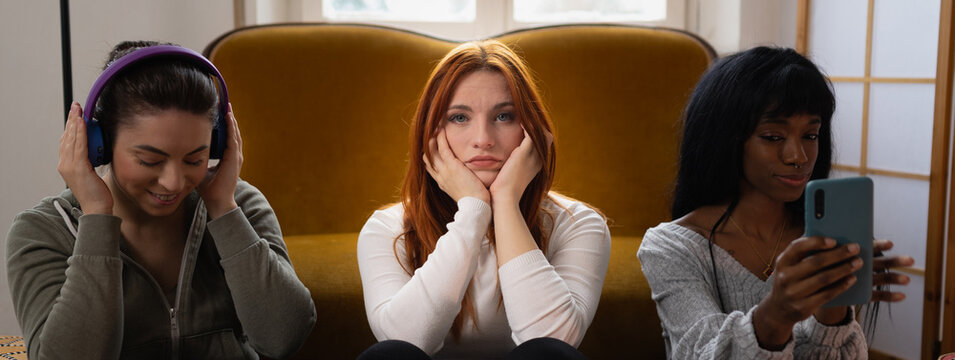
{"points": [[852, 280], [857, 263], [74, 107], [830, 242], [853, 248]]}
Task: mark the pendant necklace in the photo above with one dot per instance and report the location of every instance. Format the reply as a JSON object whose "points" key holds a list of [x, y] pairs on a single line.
{"points": [[768, 270]]}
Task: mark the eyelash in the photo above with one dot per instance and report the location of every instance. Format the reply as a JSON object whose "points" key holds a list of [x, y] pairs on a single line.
{"points": [[146, 164], [774, 138]]}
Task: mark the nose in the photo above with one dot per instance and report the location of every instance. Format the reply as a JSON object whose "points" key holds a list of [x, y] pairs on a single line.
{"points": [[794, 153], [483, 135], [172, 178]]}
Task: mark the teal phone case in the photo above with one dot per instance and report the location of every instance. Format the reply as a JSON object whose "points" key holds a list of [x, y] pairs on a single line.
{"points": [[846, 216]]}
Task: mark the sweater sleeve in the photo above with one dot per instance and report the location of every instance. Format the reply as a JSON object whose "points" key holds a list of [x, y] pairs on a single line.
{"points": [[689, 309], [274, 307], [419, 308], [815, 340], [557, 296], [68, 298]]}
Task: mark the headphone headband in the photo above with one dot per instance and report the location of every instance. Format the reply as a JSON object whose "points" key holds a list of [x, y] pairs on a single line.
{"points": [[98, 148]]}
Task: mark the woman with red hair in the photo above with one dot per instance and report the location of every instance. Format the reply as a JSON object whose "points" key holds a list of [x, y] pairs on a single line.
{"points": [[480, 259]]}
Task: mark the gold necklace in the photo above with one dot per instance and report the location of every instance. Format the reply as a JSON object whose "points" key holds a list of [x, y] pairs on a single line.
{"points": [[768, 270]]}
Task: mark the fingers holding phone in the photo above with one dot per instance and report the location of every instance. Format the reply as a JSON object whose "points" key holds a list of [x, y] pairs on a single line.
{"points": [[883, 277], [810, 272]]}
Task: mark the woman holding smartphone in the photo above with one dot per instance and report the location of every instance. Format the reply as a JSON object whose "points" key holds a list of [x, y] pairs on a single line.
{"points": [[161, 257], [732, 275], [480, 259]]}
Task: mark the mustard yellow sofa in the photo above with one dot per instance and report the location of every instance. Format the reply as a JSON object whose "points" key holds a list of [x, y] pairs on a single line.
{"points": [[324, 112]]}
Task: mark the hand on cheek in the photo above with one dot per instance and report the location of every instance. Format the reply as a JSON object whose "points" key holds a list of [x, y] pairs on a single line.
{"points": [[452, 176], [518, 171]]}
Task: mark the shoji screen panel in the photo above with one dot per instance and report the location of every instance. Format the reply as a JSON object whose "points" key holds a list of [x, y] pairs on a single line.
{"points": [[881, 58]]}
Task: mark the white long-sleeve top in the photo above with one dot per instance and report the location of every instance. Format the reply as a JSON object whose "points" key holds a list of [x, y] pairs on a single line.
{"points": [[553, 294]]}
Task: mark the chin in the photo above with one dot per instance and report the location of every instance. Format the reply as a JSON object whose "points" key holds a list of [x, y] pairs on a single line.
{"points": [[486, 178], [790, 197]]}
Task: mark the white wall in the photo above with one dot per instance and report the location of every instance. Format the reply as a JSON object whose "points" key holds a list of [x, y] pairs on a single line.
{"points": [[31, 93], [734, 25], [31, 97]]}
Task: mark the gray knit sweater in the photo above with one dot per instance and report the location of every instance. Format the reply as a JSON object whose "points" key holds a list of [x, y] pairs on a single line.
{"points": [[676, 262]]}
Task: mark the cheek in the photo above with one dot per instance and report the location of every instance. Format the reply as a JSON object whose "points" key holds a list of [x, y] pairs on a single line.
{"points": [[511, 138], [127, 170], [812, 152], [196, 174], [457, 139]]}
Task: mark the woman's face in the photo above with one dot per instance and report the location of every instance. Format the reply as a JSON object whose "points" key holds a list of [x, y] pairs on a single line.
{"points": [[159, 158], [779, 156], [482, 124]]}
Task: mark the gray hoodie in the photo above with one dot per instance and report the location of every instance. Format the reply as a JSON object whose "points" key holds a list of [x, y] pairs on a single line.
{"points": [[77, 293]]}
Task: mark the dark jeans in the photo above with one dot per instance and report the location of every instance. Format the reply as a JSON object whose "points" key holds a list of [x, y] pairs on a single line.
{"points": [[534, 349]]}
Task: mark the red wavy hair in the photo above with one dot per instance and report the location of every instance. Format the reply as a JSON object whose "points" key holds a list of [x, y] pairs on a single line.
{"points": [[428, 209]]}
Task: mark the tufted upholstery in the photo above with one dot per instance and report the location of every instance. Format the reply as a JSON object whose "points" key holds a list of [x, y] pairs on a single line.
{"points": [[324, 112]]}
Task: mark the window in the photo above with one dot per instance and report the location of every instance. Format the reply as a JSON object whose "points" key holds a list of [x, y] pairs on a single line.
{"points": [[470, 19], [543, 11], [399, 10]]}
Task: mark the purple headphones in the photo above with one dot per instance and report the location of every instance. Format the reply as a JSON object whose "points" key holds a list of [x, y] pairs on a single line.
{"points": [[99, 148]]}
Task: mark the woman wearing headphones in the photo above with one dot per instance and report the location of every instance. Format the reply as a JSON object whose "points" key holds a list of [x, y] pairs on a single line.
{"points": [[161, 257], [480, 259]]}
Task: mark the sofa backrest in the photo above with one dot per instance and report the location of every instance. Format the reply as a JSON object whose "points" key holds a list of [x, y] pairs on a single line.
{"points": [[324, 111]]}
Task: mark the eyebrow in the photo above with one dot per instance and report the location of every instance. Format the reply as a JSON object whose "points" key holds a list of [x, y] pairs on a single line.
{"points": [[783, 121], [163, 153], [468, 108]]}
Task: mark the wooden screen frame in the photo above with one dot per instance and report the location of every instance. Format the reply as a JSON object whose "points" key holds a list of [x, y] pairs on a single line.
{"points": [[939, 180], [941, 158]]}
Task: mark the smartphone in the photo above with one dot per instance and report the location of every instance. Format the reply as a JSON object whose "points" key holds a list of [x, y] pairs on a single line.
{"points": [[842, 209]]}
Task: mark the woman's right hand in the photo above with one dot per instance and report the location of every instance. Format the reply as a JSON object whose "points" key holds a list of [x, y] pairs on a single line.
{"points": [[452, 176], [809, 272], [75, 168]]}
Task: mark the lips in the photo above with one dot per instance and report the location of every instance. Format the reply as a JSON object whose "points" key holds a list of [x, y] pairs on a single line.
{"points": [[793, 179], [483, 161], [164, 199]]}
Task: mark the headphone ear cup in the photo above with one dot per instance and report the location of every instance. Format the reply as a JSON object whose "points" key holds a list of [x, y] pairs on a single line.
{"points": [[98, 144], [219, 138]]}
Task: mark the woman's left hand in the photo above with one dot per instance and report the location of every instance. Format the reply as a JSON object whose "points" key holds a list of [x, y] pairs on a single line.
{"points": [[882, 276], [218, 188], [520, 168]]}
